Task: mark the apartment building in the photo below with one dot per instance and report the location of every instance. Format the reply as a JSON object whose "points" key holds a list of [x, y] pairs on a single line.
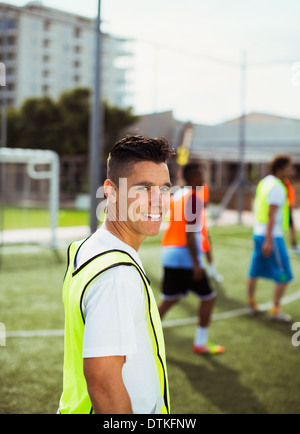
{"points": [[47, 51]]}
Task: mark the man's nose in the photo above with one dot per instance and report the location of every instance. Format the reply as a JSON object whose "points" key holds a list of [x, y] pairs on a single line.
{"points": [[155, 197]]}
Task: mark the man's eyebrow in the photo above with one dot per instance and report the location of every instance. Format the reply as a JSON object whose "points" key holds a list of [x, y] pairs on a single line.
{"points": [[151, 184]]}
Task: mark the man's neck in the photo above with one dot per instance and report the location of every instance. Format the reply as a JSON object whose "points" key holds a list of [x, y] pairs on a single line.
{"points": [[121, 231]]}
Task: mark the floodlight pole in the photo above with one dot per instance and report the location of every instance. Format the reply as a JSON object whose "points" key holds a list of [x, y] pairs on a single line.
{"points": [[96, 128], [241, 182], [242, 139], [3, 141]]}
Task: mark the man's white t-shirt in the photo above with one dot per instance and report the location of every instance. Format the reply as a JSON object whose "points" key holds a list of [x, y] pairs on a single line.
{"points": [[116, 323], [276, 196]]}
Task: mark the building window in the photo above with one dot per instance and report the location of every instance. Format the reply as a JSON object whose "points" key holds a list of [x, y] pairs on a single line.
{"points": [[77, 64], [46, 43], [47, 25], [11, 86], [11, 40], [11, 56], [46, 59], [77, 32], [10, 70], [45, 89]]}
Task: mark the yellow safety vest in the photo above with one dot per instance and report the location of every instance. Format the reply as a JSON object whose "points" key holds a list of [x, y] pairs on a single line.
{"points": [[75, 398], [261, 206]]}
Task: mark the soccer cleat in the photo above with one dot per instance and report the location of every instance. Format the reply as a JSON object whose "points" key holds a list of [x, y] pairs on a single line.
{"points": [[281, 317], [255, 311], [209, 348]]}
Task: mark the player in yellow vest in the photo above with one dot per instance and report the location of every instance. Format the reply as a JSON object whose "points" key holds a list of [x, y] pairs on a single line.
{"points": [[114, 360], [270, 258]]}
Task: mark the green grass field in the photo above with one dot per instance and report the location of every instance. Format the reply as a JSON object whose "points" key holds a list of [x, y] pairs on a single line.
{"points": [[26, 218], [259, 373]]}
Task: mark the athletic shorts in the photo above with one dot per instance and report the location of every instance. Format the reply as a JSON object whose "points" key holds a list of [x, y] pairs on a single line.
{"points": [[276, 267], [177, 282]]}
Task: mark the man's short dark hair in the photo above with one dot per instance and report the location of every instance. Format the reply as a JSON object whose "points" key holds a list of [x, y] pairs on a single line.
{"points": [[133, 149], [279, 162]]}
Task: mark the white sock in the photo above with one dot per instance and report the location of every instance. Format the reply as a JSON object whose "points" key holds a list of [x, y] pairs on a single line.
{"points": [[201, 336]]}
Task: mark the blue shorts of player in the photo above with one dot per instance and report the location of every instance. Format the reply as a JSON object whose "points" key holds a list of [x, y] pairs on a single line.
{"points": [[276, 267]]}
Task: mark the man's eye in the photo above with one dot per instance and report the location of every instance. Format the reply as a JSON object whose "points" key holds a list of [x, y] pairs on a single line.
{"points": [[143, 188], [165, 189]]}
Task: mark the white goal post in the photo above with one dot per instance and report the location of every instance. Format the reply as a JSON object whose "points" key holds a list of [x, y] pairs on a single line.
{"points": [[33, 158]]}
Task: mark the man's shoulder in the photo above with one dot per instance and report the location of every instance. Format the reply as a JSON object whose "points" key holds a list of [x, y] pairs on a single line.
{"points": [[99, 244]]}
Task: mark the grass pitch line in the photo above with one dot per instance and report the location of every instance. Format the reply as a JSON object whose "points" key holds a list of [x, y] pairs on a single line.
{"points": [[166, 324], [35, 333], [229, 314]]}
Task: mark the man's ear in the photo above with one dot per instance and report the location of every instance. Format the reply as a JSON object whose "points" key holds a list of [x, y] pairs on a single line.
{"points": [[110, 190]]}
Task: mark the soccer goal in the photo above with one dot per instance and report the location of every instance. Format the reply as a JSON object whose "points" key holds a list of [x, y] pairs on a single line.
{"points": [[29, 196]]}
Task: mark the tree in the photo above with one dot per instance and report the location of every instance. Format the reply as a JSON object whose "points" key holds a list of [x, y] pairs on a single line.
{"points": [[38, 124], [63, 125], [115, 120], [74, 107]]}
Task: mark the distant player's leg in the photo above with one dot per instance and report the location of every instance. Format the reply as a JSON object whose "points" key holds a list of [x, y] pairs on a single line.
{"points": [[165, 305], [275, 313], [282, 276], [251, 296], [256, 266], [202, 345]]}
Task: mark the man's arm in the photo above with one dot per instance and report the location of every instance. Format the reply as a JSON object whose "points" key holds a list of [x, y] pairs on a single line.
{"points": [[267, 247], [105, 385]]}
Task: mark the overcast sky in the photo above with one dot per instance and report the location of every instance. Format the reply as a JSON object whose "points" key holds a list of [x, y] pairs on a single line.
{"points": [[176, 38]]}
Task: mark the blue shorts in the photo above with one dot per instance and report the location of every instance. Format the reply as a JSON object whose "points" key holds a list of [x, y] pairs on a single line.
{"points": [[276, 267]]}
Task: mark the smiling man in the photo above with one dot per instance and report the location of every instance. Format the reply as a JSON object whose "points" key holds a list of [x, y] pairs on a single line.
{"points": [[114, 348]]}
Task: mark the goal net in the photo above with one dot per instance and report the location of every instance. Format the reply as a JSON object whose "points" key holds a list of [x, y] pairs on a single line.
{"points": [[29, 196]]}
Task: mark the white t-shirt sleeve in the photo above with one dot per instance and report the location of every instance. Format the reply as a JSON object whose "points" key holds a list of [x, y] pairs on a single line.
{"points": [[277, 196], [112, 305]]}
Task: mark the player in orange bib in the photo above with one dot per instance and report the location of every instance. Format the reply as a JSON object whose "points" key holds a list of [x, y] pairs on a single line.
{"points": [[183, 259], [292, 202]]}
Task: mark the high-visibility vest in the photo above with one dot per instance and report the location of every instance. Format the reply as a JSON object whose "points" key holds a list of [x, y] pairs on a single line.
{"points": [[261, 206], [75, 398]]}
